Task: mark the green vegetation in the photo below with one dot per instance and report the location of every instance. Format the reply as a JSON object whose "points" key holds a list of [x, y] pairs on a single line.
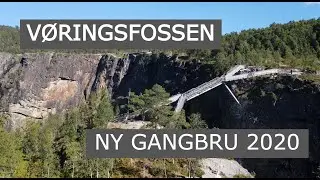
{"points": [[311, 77], [196, 122], [241, 176], [11, 159], [56, 147], [294, 44], [148, 105], [168, 168], [9, 39]]}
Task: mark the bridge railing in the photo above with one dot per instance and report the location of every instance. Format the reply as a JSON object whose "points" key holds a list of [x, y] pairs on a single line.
{"points": [[207, 86], [202, 89]]}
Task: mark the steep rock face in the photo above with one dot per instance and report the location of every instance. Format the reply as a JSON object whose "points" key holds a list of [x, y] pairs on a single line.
{"points": [[174, 75], [53, 82], [46, 83], [282, 102], [137, 72], [110, 72], [279, 102]]}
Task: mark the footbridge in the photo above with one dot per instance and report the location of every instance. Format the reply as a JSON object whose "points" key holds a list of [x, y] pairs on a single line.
{"points": [[236, 73]]}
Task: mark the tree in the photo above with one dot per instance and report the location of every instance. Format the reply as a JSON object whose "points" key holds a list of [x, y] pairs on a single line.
{"points": [[11, 159], [104, 110], [98, 111], [73, 151], [94, 113], [47, 154], [68, 143], [31, 149], [150, 102], [196, 122], [153, 105]]}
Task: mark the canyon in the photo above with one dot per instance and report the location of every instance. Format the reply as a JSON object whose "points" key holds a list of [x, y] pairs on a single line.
{"points": [[53, 82]]}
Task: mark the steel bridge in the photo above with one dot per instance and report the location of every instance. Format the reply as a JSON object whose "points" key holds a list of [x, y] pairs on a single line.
{"points": [[236, 73]]}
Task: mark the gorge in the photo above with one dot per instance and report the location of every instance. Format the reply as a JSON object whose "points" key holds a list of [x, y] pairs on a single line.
{"points": [[52, 82]]}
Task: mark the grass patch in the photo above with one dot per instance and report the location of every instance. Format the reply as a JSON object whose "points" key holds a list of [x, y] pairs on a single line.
{"points": [[311, 77]]}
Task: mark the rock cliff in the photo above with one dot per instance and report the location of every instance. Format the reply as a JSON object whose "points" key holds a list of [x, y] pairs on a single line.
{"points": [[51, 82], [45, 83], [282, 102]]}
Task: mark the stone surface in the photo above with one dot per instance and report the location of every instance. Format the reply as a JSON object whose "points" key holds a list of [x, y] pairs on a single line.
{"points": [[222, 168], [49, 82], [127, 125]]}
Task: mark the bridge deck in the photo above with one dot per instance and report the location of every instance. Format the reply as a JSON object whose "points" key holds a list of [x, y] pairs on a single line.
{"points": [[229, 76]]}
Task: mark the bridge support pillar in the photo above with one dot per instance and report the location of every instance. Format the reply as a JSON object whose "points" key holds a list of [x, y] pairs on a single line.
{"points": [[180, 104]]}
